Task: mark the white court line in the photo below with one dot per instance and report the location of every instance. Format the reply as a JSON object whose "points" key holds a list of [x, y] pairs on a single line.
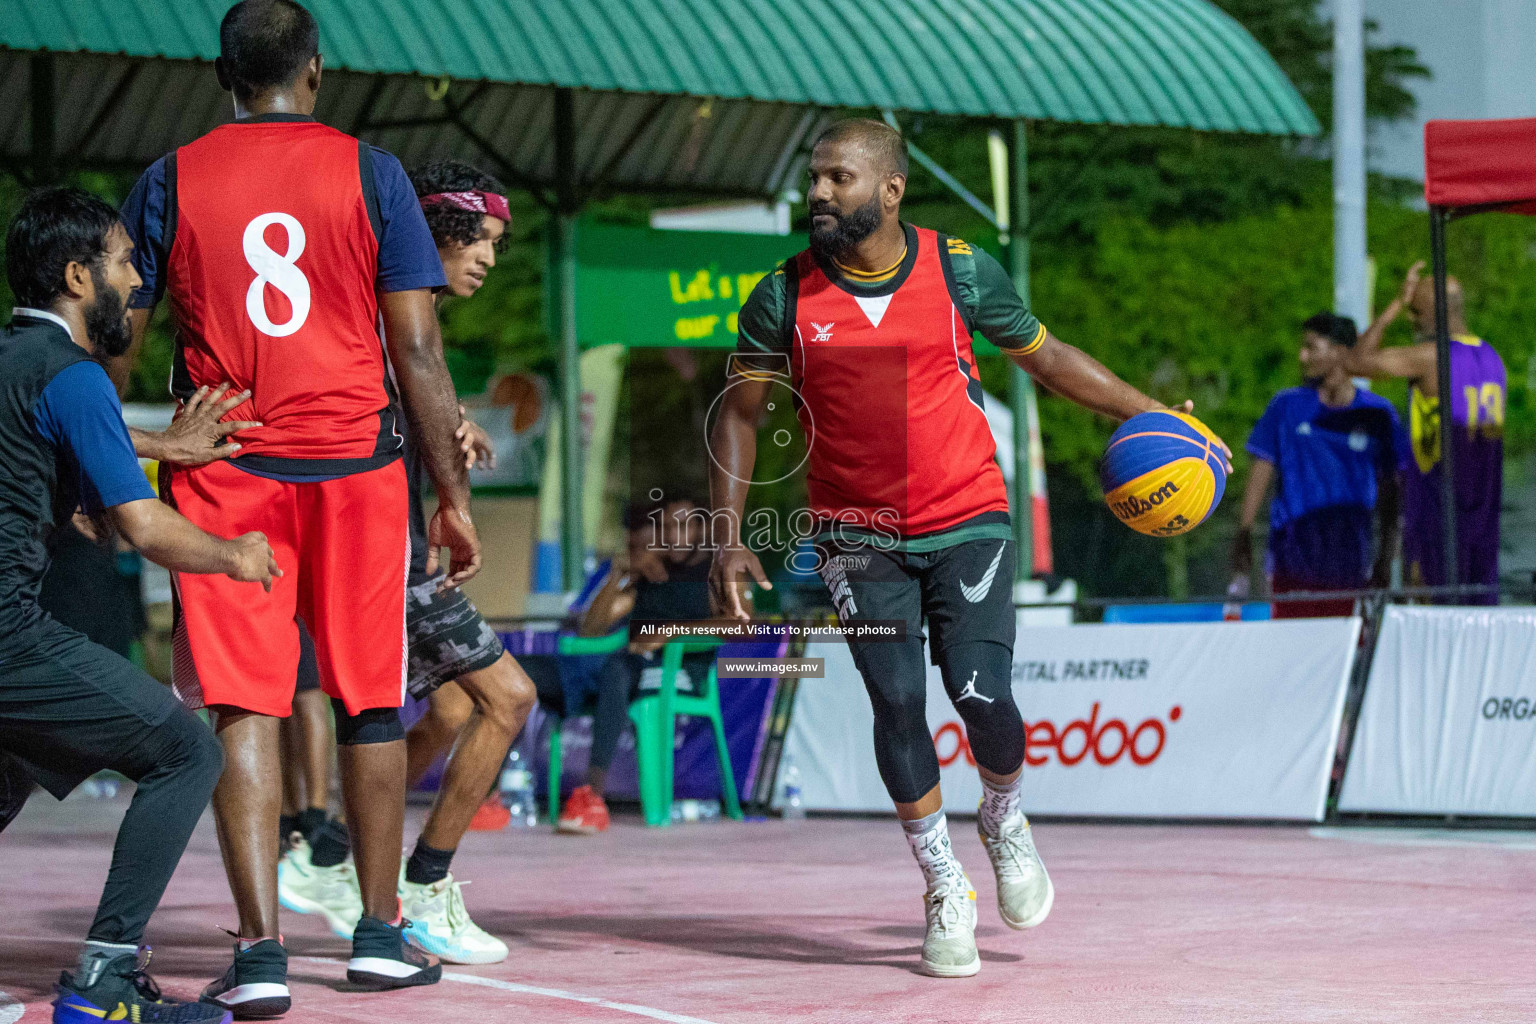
{"points": [[1388, 835], [535, 990], [10, 1009]]}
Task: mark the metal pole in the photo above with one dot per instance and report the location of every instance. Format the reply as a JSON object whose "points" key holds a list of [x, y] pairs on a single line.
{"points": [[1021, 387], [43, 117], [1437, 218], [1350, 297], [563, 240]]}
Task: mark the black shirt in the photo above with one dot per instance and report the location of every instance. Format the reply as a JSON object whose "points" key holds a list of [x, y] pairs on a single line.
{"points": [[683, 597], [37, 493]]}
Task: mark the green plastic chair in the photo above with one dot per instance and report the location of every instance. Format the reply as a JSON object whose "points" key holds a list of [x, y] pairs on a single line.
{"points": [[654, 716]]}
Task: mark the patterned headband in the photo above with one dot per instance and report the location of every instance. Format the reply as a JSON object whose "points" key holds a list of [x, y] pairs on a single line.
{"points": [[478, 202]]}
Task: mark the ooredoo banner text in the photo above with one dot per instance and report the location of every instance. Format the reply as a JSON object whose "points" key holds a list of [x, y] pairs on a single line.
{"points": [[1221, 720]]}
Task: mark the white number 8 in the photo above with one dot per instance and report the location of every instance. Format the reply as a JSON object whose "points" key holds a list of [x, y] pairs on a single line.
{"points": [[278, 271]]}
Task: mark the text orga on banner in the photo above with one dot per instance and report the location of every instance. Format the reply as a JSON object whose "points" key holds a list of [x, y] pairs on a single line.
{"points": [[1448, 725], [1220, 720]]}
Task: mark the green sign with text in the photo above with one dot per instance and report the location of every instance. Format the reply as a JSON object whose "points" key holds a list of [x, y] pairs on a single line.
{"points": [[655, 289]]}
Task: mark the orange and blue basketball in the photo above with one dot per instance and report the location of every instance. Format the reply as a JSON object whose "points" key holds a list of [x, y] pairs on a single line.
{"points": [[1164, 473]]}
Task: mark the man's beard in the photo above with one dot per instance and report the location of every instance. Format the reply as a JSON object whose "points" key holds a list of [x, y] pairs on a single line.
{"points": [[850, 229], [106, 320]]}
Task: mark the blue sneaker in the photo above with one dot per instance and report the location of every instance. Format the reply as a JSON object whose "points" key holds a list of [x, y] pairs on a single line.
{"points": [[119, 989]]}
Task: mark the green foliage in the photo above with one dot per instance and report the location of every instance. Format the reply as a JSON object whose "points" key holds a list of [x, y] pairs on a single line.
{"points": [[1184, 260], [1212, 312]]}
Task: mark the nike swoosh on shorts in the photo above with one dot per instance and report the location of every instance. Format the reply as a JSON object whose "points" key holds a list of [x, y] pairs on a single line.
{"points": [[976, 592]]}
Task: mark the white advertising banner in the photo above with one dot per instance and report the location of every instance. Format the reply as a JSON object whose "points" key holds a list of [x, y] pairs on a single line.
{"points": [[1222, 720], [1448, 725]]}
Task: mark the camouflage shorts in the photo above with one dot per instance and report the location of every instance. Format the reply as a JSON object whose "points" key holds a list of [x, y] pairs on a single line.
{"points": [[446, 637]]}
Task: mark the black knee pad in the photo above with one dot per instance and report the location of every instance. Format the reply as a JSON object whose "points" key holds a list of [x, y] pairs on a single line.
{"points": [[978, 675], [375, 725], [897, 681]]}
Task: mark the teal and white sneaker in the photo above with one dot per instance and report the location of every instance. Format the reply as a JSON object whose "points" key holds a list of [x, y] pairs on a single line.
{"points": [[1024, 890], [332, 892], [437, 922], [949, 948]]}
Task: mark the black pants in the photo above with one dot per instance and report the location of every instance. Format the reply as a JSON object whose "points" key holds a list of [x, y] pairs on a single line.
{"points": [[964, 594], [70, 708], [617, 683]]}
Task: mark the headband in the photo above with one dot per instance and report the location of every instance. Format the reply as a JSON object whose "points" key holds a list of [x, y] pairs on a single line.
{"points": [[477, 202]]}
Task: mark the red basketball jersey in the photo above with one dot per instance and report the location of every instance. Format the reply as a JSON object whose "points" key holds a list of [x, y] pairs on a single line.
{"points": [[271, 277], [891, 402]]}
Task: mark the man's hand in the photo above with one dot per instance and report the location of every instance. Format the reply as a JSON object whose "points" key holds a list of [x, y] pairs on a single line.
{"points": [[648, 564], [725, 580], [197, 436], [1242, 553], [475, 443], [452, 528], [1410, 283], [252, 560], [1187, 407]]}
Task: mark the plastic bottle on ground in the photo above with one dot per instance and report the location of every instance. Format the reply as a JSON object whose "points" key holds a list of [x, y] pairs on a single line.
{"points": [[517, 790], [793, 806]]}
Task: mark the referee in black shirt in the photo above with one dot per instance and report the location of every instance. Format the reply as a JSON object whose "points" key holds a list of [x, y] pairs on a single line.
{"points": [[68, 707]]}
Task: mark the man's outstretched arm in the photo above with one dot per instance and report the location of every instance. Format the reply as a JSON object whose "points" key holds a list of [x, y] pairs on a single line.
{"points": [[1414, 362], [1081, 379], [164, 537]]}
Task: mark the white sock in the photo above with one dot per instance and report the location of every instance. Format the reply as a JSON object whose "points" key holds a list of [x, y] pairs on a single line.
{"points": [[999, 802], [929, 839]]}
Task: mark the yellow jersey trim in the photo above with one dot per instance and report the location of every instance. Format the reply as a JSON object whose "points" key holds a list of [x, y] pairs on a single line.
{"points": [[872, 276], [1034, 343]]}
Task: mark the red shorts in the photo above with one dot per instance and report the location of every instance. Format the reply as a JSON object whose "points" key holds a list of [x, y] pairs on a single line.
{"points": [[1280, 583], [344, 551]]}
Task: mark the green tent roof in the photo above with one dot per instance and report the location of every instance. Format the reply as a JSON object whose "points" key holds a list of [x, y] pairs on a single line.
{"points": [[687, 94]]}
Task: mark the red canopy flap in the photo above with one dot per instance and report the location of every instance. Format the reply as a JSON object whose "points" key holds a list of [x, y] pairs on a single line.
{"points": [[1475, 163]]}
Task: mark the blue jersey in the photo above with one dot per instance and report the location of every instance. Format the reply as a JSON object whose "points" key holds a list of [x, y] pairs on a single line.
{"points": [[1328, 463]]}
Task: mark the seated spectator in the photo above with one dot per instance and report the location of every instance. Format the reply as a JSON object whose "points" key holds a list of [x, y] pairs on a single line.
{"points": [[1337, 450], [666, 582]]}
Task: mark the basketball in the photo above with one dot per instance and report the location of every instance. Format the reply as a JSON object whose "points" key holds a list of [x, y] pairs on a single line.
{"points": [[1163, 473]]}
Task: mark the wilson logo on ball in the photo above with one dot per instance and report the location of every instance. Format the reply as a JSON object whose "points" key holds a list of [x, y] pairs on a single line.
{"points": [[1164, 473], [1133, 506]]}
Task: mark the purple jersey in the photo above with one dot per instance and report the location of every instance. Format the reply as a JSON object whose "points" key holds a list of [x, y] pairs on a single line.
{"points": [[1477, 411]]}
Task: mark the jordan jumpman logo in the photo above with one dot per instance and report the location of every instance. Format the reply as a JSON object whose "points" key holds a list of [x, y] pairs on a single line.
{"points": [[970, 691]]}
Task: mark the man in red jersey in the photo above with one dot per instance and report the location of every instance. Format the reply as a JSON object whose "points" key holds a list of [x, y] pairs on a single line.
{"points": [[283, 245], [873, 323]]}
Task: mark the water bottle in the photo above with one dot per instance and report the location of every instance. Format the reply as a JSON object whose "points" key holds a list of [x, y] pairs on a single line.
{"points": [[794, 807], [1237, 593], [695, 810], [517, 790]]}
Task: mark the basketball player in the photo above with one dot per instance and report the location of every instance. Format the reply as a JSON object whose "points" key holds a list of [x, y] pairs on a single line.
{"points": [[1477, 410], [69, 707], [479, 696], [874, 321], [283, 244]]}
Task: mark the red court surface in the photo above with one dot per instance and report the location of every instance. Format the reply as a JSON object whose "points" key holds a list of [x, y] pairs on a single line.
{"points": [[769, 922]]}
